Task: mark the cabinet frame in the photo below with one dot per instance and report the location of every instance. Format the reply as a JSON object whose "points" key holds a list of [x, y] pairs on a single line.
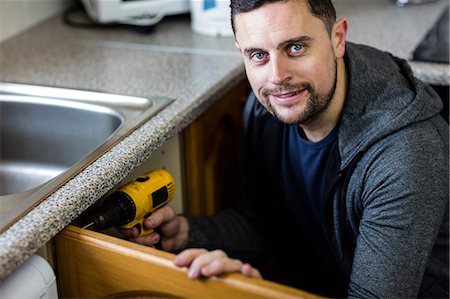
{"points": [[94, 265]]}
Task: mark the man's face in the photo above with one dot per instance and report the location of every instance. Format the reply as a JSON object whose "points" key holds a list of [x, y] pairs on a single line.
{"points": [[289, 60]]}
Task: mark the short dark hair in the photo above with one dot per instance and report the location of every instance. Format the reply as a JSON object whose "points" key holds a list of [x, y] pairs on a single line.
{"points": [[322, 9]]}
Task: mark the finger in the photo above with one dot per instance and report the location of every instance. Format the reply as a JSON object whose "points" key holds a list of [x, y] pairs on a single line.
{"points": [[220, 266], [168, 244], [248, 270], [148, 240], [159, 216], [205, 260], [130, 233], [175, 237], [170, 229], [171, 243], [185, 258]]}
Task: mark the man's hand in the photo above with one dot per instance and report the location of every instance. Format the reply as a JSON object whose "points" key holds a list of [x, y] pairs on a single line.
{"points": [[172, 230], [211, 263]]}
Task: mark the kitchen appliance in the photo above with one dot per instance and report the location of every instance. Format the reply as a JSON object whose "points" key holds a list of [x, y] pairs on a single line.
{"points": [[133, 12], [404, 2], [34, 279], [211, 17]]}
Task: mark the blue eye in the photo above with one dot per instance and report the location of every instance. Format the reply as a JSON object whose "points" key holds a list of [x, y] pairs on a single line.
{"points": [[258, 56], [295, 48]]}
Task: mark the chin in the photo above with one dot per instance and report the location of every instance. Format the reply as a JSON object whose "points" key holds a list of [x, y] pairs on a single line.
{"points": [[288, 116], [288, 119]]}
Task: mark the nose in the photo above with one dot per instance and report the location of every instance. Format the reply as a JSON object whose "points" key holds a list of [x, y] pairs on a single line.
{"points": [[280, 70]]}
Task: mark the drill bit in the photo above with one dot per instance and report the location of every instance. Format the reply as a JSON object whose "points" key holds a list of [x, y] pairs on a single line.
{"points": [[89, 225]]}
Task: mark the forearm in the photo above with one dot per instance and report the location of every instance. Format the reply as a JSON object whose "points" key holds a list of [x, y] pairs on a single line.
{"points": [[229, 231]]}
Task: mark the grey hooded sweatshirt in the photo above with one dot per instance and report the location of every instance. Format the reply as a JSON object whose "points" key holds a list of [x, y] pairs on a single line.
{"points": [[386, 216]]}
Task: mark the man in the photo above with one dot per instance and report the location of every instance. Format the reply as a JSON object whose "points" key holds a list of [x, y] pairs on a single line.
{"points": [[346, 166]]}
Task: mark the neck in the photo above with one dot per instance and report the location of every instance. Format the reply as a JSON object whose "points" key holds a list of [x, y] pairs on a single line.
{"points": [[325, 123]]}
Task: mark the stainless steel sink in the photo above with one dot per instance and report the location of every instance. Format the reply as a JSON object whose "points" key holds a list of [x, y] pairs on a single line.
{"points": [[48, 135]]}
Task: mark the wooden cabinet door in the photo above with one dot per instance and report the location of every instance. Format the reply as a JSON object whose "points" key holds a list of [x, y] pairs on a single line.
{"points": [[95, 265], [211, 147]]}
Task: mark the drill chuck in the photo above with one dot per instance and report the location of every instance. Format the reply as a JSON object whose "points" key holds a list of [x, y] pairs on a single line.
{"points": [[118, 210]]}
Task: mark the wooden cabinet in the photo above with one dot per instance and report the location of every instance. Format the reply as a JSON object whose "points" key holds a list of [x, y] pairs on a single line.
{"points": [[211, 146], [95, 265]]}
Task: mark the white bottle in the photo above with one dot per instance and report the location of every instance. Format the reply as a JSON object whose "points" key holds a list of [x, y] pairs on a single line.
{"points": [[211, 17]]}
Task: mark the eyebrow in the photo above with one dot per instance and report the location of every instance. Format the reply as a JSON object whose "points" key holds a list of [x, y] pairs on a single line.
{"points": [[300, 39], [247, 51]]}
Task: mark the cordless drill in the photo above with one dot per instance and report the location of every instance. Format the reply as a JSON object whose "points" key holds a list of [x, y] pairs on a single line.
{"points": [[132, 203]]}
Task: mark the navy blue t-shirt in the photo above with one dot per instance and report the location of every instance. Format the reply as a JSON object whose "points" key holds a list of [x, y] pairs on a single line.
{"points": [[304, 164]]}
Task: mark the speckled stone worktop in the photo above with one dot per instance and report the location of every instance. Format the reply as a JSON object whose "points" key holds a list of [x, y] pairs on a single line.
{"points": [[170, 61]]}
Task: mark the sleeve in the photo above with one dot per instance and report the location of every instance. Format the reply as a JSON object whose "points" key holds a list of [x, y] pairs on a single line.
{"points": [[403, 231], [230, 231]]}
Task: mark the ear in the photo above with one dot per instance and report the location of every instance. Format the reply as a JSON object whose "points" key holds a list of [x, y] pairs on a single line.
{"points": [[339, 36]]}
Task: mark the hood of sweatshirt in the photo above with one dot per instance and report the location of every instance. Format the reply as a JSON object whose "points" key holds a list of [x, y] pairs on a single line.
{"points": [[383, 96]]}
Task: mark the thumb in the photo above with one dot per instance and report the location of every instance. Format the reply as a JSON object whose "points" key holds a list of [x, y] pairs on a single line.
{"points": [[159, 216]]}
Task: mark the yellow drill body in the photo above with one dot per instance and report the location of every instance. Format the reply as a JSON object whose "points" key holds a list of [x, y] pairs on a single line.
{"points": [[132, 203], [149, 192]]}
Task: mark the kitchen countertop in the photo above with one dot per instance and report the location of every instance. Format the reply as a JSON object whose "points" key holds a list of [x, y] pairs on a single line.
{"points": [[170, 61], [398, 30]]}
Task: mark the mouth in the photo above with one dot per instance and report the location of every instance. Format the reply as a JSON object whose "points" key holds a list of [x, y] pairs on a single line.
{"points": [[288, 97]]}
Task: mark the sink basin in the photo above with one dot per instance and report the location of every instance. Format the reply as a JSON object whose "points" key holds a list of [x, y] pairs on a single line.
{"points": [[48, 135]]}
